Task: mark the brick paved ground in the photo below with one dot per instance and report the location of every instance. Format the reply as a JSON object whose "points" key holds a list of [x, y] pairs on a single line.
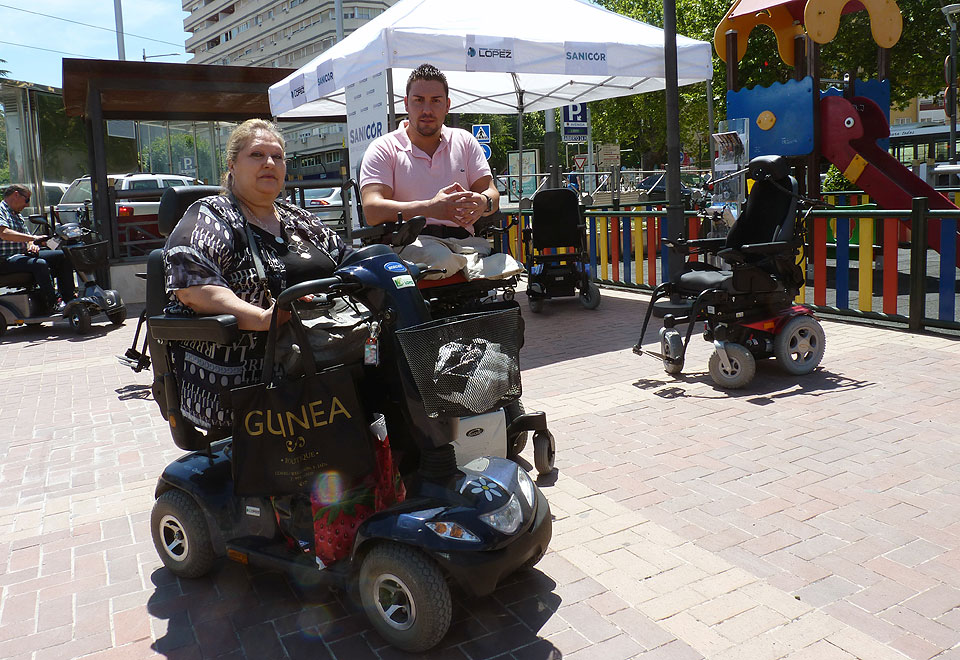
{"points": [[810, 518]]}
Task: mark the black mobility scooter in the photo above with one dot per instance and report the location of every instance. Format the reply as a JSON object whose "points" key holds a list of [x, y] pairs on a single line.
{"points": [[470, 526], [558, 224], [748, 310], [87, 254]]}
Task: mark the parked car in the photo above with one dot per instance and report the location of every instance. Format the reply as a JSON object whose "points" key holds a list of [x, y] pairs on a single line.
{"points": [[655, 186], [136, 218], [316, 200]]}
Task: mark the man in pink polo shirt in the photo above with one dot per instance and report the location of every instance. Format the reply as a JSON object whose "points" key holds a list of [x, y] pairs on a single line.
{"points": [[426, 168]]}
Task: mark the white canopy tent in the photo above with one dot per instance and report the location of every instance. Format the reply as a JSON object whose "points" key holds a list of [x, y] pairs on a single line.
{"points": [[499, 56]]}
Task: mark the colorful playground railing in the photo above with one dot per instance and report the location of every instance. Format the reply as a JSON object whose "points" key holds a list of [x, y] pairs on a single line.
{"points": [[860, 262]]}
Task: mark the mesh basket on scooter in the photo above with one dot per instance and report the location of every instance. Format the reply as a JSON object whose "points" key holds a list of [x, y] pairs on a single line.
{"points": [[467, 364], [88, 257]]}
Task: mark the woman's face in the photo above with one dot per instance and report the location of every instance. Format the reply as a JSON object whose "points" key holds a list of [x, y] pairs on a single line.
{"points": [[259, 169]]}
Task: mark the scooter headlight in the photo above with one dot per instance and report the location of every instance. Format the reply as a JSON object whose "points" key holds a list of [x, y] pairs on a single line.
{"points": [[526, 486], [507, 518], [451, 530]]}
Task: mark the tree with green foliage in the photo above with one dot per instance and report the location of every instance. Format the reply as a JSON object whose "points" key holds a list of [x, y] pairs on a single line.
{"points": [[638, 122], [503, 134]]}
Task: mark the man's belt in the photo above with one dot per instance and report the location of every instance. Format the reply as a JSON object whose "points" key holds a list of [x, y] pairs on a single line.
{"points": [[445, 231]]}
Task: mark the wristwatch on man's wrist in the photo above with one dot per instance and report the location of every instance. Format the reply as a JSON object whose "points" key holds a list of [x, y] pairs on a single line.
{"points": [[489, 202]]}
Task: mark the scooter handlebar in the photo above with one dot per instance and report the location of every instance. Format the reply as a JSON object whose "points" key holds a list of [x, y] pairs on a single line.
{"points": [[312, 287]]}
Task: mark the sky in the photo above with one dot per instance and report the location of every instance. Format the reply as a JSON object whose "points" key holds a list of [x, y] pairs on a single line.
{"points": [[55, 25]]}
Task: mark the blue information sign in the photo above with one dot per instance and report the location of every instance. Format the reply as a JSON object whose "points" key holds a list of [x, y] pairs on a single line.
{"points": [[482, 133], [487, 152]]}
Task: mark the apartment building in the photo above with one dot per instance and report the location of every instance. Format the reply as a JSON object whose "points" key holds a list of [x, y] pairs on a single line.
{"points": [[280, 33]]}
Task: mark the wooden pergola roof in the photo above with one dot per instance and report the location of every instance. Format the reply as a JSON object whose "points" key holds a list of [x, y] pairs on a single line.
{"points": [[153, 90]]}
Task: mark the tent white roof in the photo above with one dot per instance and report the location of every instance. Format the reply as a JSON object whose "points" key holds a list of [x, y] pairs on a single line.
{"points": [[554, 52]]}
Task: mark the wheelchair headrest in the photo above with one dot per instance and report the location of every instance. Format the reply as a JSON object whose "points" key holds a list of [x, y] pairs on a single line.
{"points": [[763, 168], [175, 201], [554, 200]]}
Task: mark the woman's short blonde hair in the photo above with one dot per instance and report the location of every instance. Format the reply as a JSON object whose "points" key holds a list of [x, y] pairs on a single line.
{"points": [[241, 136]]}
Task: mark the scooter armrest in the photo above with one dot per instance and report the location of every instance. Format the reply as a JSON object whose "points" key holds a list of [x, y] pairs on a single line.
{"points": [[706, 244], [219, 329], [765, 248]]}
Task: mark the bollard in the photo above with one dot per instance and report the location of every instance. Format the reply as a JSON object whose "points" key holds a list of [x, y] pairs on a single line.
{"points": [[918, 263]]}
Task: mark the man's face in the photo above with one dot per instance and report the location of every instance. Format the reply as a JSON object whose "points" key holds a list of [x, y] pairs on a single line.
{"points": [[427, 106], [18, 201]]}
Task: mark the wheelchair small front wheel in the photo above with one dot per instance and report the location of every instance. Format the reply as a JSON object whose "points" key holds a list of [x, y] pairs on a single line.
{"points": [[536, 305], [800, 344], [742, 368], [590, 296], [671, 346]]}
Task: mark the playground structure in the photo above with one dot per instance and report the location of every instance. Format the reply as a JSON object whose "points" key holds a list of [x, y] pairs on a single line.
{"points": [[849, 128]]}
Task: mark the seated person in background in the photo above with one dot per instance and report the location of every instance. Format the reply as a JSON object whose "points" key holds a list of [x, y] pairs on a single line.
{"points": [[426, 168], [211, 269], [20, 253]]}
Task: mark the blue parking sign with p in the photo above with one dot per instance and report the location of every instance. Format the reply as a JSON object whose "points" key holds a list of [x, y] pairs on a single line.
{"points": [[575, 115]]}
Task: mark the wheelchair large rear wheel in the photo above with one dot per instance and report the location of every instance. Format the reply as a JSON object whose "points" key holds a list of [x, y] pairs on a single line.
{"points": [[743, 367], [799, 345]]}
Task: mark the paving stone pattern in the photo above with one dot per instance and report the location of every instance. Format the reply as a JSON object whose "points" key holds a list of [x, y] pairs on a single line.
{"points": [[812, 517]]}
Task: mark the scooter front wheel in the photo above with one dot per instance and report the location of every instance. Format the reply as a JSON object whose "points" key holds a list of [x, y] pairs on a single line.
{"points": [[405, 597]]}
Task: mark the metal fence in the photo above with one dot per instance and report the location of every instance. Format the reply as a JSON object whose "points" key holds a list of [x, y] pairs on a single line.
{"points": [[859, 262]]}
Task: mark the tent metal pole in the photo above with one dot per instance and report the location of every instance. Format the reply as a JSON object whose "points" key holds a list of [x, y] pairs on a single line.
{"points": [[674, 206]]}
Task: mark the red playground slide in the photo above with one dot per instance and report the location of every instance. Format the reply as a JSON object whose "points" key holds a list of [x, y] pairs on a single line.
{"points": [[849, 130]]}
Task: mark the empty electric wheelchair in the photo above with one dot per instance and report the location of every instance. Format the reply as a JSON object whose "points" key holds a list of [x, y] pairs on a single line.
{"points": [[556, 247], [748, 310]]}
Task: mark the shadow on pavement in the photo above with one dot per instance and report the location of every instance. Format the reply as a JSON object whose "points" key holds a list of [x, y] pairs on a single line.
{"points": [[769, 385], [39, 333], [128, 392], [245, 612]]}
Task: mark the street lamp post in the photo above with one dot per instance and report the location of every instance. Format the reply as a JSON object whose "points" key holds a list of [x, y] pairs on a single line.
{"points": [[949, 12]]}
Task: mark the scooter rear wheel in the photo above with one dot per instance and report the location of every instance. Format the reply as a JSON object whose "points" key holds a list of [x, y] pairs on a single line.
{"points": [[180, 535], [536, 305], [405, 597]]}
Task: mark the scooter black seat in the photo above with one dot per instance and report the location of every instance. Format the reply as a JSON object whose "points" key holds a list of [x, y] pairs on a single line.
{"points": [[16, 280]]}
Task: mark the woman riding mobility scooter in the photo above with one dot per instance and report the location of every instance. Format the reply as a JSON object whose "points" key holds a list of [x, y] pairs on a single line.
{"points": [[471, 525], [748, 310], [86, 254]]}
